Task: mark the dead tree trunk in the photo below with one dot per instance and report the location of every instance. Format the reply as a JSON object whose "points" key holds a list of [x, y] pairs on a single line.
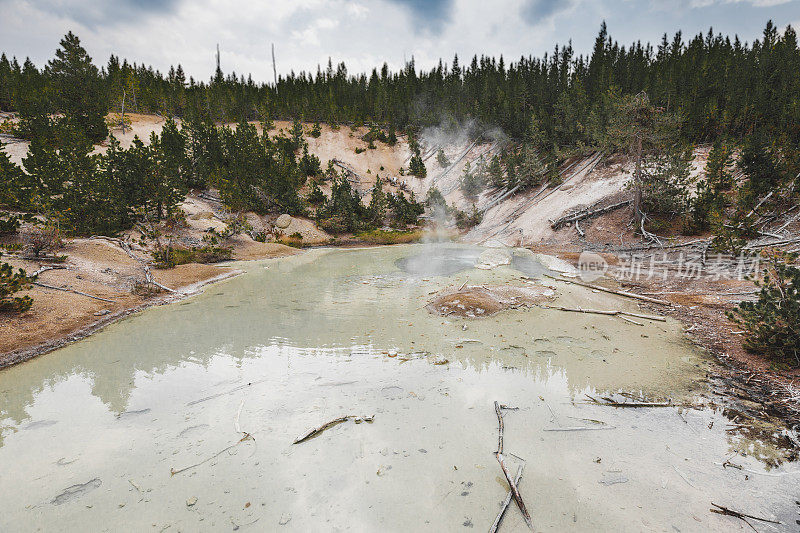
{"points": [[122, 119], [637, 182]]}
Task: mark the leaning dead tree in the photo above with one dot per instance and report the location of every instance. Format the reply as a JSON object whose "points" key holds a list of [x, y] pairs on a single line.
{"points": [[642, 132]]}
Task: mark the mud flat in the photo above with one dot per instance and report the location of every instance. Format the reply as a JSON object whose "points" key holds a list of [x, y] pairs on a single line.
{"points": [[184, 416]]}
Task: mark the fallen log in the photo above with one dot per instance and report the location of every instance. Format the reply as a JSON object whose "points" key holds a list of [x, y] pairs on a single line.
{"points": [[348, 168], [789, 222], [608, 402], [612, 291], [630, 320], [662, 247], [791, 240], [594, 159], [46, 286], [458, 160], [119, 242], [45, 268], [569, 219], [607, 312], [753, 211], [148, 276]]}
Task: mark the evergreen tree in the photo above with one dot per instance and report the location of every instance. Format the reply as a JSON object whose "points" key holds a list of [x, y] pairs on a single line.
{"points": [[710, 202], [377, 203], [15, 187], [771, 322], [10, 283], [496, 177], [77, 88]]}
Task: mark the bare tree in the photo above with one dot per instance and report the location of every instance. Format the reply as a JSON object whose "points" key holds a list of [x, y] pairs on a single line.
{"points": [[642, 131]]}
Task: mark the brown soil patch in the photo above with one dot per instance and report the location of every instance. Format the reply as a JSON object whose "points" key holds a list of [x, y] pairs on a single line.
{"points": [[246, 249], [477, 302], [102, 269]]}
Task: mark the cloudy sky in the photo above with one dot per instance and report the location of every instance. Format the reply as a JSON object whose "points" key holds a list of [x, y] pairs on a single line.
{"points": [[363, 33]]}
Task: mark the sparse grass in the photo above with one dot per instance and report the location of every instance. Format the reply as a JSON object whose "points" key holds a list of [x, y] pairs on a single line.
{"points": [[379, 236], [295, 240], [181, 256]]}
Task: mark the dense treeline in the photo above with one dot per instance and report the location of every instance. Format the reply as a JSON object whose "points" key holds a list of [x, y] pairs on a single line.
{"points": [[65, 178], [103, 193], [718, 85], [648, 102]]}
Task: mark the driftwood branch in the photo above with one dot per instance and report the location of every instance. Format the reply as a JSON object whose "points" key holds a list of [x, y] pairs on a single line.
{"points": [[719, 509], [499, 427], [46, 286], [612, 291], [247, 436], [514, 490], [612, 403], [581, 233], [605, 312], [507, 501], [511, 481], [319, 429]]}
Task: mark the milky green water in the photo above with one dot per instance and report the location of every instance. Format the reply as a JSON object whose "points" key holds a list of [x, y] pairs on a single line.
{"points": [[90, 433]]}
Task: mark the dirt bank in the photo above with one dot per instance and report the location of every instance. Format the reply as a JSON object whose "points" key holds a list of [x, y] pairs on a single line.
{"points": [[97, 284]]}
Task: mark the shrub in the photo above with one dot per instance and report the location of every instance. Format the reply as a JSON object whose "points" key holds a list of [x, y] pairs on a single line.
{"points": [[309, 163], [772, 323], [466, 220], [334, 224], [11, 283], [379, 236], [39, 241], [404, 211], [170, 257]]}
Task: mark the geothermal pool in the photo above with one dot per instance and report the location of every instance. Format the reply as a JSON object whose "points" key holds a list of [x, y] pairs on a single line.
{"points": [[183, 417]]}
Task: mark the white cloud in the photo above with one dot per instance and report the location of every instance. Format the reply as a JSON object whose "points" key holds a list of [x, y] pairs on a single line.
{"points": [[363, 34]]}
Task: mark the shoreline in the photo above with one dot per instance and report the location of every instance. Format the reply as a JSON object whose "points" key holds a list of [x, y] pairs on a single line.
{"points": [[26, 353], [760, 386], [750, 377], [21, 355]]}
